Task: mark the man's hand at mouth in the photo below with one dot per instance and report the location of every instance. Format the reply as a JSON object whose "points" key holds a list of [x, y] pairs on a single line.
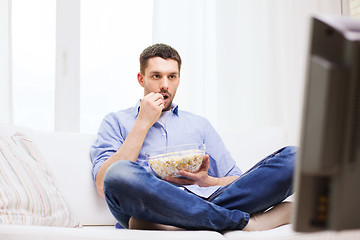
{"points": [[151, 107]]}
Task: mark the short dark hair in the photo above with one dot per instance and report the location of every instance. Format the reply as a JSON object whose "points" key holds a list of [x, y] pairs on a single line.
{"points": [[158, 50]]}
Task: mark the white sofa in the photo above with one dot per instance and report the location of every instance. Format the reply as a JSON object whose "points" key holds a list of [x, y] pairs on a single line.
{"points": [[67, 155]]}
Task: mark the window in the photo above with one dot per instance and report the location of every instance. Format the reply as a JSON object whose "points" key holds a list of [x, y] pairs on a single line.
{"points": [[113, 34], [33, 41]]}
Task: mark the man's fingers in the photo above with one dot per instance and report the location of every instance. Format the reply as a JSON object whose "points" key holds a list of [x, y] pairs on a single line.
{"points": [[205, 163], [180, 181], [160, 103], [187, 174], [155, 96], [155, 99]]}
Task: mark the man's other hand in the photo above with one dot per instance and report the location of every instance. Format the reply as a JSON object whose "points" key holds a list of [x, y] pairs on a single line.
{"points": [[201, 177]]}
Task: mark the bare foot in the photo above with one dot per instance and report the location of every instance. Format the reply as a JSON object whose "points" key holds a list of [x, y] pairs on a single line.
{"points": [[275, 217], [136, 223]]}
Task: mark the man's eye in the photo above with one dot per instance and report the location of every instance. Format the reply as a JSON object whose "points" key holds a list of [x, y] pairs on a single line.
{"points": [[156, 76], [172, 77]]}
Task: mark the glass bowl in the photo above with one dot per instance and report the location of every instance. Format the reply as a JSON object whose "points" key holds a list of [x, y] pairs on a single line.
{"points": [[169, 161]]}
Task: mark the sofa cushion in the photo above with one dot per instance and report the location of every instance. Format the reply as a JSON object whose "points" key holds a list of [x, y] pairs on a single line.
{"points": [[68, 155], [28, 193], [249, 147]]}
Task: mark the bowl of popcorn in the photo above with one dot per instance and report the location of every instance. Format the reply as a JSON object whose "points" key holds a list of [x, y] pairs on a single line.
{"points": [[169, 161]]}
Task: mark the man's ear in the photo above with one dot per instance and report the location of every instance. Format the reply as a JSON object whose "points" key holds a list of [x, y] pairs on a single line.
{"points": [[140, 78]]}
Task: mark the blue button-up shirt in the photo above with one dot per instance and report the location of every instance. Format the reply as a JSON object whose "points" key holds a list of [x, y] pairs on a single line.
{"points": [[180, 128]]}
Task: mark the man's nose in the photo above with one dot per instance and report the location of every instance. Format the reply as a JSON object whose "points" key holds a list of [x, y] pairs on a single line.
{"points": [[164, 83]]}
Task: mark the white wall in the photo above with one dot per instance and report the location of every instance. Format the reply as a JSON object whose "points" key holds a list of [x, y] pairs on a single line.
{"points": [[354, 8]]}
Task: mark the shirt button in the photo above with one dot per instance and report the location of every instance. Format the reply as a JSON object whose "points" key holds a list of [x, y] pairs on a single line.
{"points": [[164, 134]]}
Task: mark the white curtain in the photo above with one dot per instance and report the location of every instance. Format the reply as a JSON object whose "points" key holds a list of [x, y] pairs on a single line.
{"points": [[5, 62], [244, 61]]}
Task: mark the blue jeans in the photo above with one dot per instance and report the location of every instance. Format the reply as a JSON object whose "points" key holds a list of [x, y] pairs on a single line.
{"points": [[131, 191]]}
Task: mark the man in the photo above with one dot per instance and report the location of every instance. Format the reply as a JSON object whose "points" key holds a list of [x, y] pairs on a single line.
{"points": [[218, 197]]}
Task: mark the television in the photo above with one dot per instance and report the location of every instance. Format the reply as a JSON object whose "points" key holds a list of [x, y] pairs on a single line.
{"points": [[327, 175]]}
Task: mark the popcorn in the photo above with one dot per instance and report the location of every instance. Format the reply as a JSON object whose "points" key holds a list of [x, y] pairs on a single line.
{"points": [[169, 164]]}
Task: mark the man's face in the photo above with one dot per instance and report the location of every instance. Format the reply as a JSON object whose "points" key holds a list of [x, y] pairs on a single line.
{"points": [[161, 76]]}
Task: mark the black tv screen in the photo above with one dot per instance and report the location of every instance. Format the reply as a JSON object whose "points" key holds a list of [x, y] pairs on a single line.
{"points": [[327, 177]]}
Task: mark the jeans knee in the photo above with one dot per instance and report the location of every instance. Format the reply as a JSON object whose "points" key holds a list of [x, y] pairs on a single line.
{"points": [[291, 149], [118, 176], [290, 153]]}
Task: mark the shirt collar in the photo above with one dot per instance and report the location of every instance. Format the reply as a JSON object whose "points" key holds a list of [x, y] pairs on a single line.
{"points": [[174, 109]]}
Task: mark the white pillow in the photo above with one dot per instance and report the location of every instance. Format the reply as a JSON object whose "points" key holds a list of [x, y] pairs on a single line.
{"points": [[28, 192]]}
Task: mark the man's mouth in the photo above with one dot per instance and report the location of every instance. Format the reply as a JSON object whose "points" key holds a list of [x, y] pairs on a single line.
{"points": [[166, 96]]}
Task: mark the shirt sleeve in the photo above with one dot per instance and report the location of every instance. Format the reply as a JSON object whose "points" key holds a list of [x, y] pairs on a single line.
{"points": [[109, 140], [221, 162]]}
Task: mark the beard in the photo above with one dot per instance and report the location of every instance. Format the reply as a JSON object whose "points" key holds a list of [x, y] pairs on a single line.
{"points": [[167, 108], [168, 105]]}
